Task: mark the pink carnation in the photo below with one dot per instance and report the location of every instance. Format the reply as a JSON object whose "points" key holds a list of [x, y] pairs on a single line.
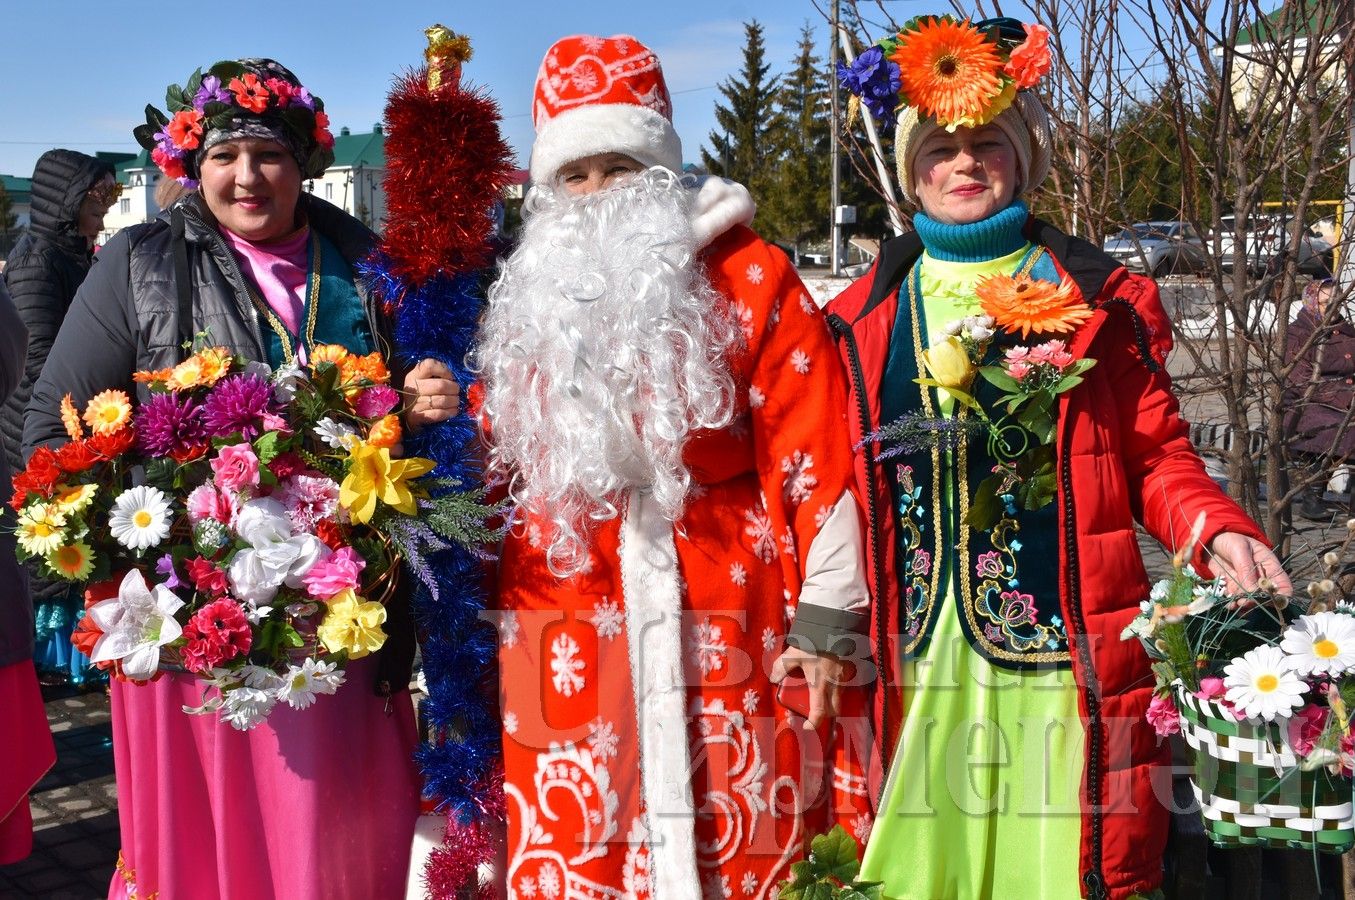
{"points": [[337, 573], [275, 422], [1062, 360], [206, 502], [236, 467], [1305, 727], [217, 633], [1162, 715], [1211, 688], [1017, 354], [308, 499], [376, 401], [1018, 370], [1045, 353]]}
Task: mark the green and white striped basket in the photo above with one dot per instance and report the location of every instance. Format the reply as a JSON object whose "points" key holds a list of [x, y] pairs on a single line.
{"points": [[1251, 790]]}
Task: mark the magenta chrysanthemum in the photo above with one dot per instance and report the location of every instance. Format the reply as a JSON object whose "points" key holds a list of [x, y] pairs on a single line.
{"points": [[167, 423], [235, 406]]}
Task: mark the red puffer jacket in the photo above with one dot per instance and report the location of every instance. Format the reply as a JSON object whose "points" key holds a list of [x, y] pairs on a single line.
{"points": [[1123, 455]]}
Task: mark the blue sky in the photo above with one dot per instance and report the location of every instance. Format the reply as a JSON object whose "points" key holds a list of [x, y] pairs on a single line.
{"points": [[77, 73]]}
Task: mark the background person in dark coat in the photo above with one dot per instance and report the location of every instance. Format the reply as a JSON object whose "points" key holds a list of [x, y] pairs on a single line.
{"points": [[1321, 429], [26, 751], [71, 194]]}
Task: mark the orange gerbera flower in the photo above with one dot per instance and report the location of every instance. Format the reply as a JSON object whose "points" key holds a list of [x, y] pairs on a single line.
{"points": [[186, 375], [152, 376], [950, 71], [327, 353], [108, 412], [215, 362], [70, 417], [1032, 305]]}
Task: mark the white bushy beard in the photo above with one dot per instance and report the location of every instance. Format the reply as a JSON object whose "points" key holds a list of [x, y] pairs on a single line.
{"points": [[604, 347]]}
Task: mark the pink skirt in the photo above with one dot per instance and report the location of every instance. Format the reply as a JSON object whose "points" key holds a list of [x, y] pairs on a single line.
{"points": [[26, 753], [317, 803]]}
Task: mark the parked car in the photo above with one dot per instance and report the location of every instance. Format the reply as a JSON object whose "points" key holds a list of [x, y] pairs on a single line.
{"points": [[1266, 237], [1158, 248]]}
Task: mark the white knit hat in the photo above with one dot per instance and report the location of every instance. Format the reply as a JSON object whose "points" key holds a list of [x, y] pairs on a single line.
{"points": [[1025, 123], [601, 95]]}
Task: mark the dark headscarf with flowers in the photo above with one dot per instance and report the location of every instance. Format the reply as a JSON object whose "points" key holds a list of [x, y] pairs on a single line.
{"points": [[245, 98]]}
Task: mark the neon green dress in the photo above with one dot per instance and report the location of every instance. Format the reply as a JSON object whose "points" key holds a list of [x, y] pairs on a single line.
{"points": [[982, 795]]}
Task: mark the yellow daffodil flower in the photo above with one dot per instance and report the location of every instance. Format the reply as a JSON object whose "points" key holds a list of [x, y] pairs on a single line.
{"points": [[373, 475], [353, 624]]}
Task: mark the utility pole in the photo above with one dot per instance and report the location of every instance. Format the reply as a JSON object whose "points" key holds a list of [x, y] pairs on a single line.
{"points": [[834, 244]]}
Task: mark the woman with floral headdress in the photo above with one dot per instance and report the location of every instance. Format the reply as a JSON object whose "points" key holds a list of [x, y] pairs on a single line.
{"points": [[1003, 556], [313, 803]]}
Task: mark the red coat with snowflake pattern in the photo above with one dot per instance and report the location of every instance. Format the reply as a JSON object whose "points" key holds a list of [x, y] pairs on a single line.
{"points": [[574, 737]]}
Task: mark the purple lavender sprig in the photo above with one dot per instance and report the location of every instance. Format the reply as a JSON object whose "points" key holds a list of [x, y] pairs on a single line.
{"points": [[914, 432]]}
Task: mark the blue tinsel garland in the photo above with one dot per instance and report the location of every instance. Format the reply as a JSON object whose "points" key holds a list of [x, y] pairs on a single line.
{"points": [[438, 320]]}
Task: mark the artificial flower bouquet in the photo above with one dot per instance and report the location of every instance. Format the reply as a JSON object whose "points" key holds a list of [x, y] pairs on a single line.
{"points": [[961, 73], [1261, 691], [1018, 419], [267, 531]]}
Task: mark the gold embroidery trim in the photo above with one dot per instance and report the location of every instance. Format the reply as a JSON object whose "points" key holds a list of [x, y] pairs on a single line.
{"points": [[129, 879]]}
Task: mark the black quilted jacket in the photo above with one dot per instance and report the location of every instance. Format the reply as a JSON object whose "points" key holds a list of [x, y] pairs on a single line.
{"points": [[42, 274]]}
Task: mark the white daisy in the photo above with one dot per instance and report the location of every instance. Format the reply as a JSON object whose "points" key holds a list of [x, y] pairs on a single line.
{"points": [[1260, 684], [140, 517], [303, 683], [246, 707], [1320, 644], [336, 434]]}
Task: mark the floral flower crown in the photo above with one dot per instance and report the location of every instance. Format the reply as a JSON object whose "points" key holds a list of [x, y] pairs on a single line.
{"points": [[228, 92], [958, 72]]}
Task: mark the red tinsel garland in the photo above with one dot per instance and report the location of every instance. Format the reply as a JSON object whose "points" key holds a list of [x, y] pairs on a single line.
{"points": [[444, 156]]}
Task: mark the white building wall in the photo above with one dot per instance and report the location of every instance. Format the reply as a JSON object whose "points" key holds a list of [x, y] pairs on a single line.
{"points": [[136, 205], [357, 191]]}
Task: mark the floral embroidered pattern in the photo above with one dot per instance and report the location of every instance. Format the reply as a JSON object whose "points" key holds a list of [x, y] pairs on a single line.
{"points": [[1009, 615], [915, 560]]}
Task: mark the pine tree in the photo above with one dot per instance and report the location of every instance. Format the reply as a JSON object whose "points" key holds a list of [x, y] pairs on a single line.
{"points": [[793, 206], [739, 149]]}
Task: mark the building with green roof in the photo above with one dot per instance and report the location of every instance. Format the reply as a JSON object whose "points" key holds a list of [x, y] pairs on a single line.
{"points": [[355, 181], [1281, 41]]}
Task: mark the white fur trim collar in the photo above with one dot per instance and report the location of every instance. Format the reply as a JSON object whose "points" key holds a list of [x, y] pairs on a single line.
{"points": [[719, 205]]}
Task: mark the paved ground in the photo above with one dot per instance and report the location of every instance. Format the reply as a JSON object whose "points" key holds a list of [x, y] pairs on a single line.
{"points": [[75, 819]]}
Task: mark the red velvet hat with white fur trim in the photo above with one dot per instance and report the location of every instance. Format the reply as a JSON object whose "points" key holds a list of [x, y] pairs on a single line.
{"points": [[601, 95]]}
